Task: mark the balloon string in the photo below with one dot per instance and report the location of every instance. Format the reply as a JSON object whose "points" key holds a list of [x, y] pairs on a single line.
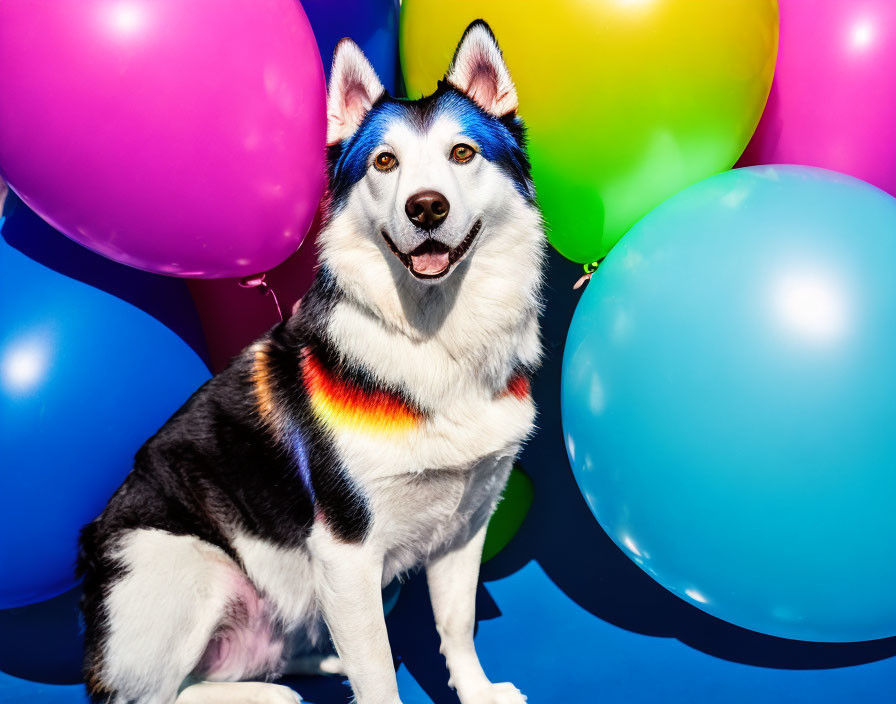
{"points": [[263, 286]]}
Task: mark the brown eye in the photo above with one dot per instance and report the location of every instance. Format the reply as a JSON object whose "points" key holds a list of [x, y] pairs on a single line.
{"points": [[385, 161], [462, 153]]}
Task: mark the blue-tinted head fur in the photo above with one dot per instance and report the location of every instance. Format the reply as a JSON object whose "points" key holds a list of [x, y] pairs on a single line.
{"points": [[501, 140]]}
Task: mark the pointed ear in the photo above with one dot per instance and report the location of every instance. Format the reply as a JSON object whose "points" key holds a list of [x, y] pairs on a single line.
{"points": [[353, 88], [479, 71]]}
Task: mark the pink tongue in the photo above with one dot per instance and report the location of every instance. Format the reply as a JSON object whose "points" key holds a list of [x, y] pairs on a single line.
{"points": [[430, 263]]}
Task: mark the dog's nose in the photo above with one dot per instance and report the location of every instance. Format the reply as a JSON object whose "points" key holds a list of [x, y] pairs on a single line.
{"points": [[427, 209]]}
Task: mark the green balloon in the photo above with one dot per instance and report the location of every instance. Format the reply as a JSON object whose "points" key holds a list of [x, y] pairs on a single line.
{"points": [[510, 514], [626, 103]]}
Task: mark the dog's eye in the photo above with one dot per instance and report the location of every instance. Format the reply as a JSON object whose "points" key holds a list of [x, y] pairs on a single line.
{"points": [[462, 153], [385, 161]]}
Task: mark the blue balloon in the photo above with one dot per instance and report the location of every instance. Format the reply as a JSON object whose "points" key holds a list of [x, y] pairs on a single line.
{"points": [[729, 400], [372, 24], [85, 379]]}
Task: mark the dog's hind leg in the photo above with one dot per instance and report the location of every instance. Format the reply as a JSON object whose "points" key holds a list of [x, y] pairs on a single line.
{"points": [[171, 605]]}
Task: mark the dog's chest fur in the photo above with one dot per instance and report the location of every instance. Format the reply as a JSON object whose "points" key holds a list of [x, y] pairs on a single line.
{"points": [[432, 474], [431, 485]]}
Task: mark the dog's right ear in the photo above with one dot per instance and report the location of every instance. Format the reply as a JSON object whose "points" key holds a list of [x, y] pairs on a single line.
{"points": [[354, 88]]}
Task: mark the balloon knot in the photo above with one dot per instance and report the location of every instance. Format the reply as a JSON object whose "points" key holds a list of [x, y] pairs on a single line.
{"points": [[258, 281], [589, 268]]}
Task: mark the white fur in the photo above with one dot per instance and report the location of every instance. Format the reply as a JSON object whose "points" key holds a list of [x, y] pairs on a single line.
{"points": [[275, 571], [170, 601]]}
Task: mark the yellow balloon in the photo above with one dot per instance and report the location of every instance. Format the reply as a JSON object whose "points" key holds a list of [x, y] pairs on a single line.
{"points": [[627, 101]]}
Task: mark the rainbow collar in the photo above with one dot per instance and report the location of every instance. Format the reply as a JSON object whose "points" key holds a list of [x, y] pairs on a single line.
{"points": [[342, 404]]}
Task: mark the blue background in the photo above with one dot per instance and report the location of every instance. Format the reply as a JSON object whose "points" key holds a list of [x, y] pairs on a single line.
{"points": [[372, 24]]}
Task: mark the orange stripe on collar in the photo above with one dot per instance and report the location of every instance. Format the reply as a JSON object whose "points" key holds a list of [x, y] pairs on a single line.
{"points": [[518, 386]]}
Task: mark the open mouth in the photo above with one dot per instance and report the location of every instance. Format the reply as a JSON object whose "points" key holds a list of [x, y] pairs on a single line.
{"points": [[433, 259]]}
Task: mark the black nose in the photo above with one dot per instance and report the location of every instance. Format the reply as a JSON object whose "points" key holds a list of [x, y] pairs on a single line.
{"points": [[427, 209]]}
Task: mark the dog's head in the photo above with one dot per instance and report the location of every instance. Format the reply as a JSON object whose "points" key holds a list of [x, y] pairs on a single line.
{"points": [[427, 182]]}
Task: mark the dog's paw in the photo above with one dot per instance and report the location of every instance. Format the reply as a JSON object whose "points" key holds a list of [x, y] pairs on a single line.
{"points": [[238, 692], [279, 694], [273, 694], [499, 693]]}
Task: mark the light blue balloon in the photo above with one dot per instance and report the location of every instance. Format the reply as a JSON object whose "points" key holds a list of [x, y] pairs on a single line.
{"points": [[729, 400]]}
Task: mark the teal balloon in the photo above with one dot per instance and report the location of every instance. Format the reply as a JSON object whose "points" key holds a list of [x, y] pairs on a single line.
{"points": [[729, 400]]}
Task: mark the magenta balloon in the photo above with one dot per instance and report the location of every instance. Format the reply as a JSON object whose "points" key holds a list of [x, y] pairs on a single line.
{"points": [[184, 137], [833, 99]]}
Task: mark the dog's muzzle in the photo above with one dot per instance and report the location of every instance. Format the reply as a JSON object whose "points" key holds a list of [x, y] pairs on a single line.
{"points": [[433, 259]]}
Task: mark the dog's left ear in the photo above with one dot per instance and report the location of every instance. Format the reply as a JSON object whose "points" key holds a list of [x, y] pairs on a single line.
{"points": [[479, 71], [354, 88]]}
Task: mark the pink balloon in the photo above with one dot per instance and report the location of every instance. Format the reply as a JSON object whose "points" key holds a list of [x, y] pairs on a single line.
{"points": [[833, 99], [184, 137]]}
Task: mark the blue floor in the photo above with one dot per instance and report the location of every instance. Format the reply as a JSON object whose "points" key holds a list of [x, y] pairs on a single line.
{"points": [[562, 613]]}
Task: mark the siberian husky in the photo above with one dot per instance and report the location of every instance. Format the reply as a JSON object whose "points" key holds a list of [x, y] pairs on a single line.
{"points": [[370, 434]]}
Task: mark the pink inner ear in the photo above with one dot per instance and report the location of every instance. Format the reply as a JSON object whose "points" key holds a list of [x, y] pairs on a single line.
{"points": [[356, 101], [482, 86]]}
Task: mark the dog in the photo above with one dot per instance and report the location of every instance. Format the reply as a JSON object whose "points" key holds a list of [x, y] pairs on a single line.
{"points": [[369, 435]]}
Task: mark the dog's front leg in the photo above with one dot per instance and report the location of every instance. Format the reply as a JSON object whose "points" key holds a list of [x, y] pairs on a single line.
{"points": [[452, 582], [349, 582]]}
